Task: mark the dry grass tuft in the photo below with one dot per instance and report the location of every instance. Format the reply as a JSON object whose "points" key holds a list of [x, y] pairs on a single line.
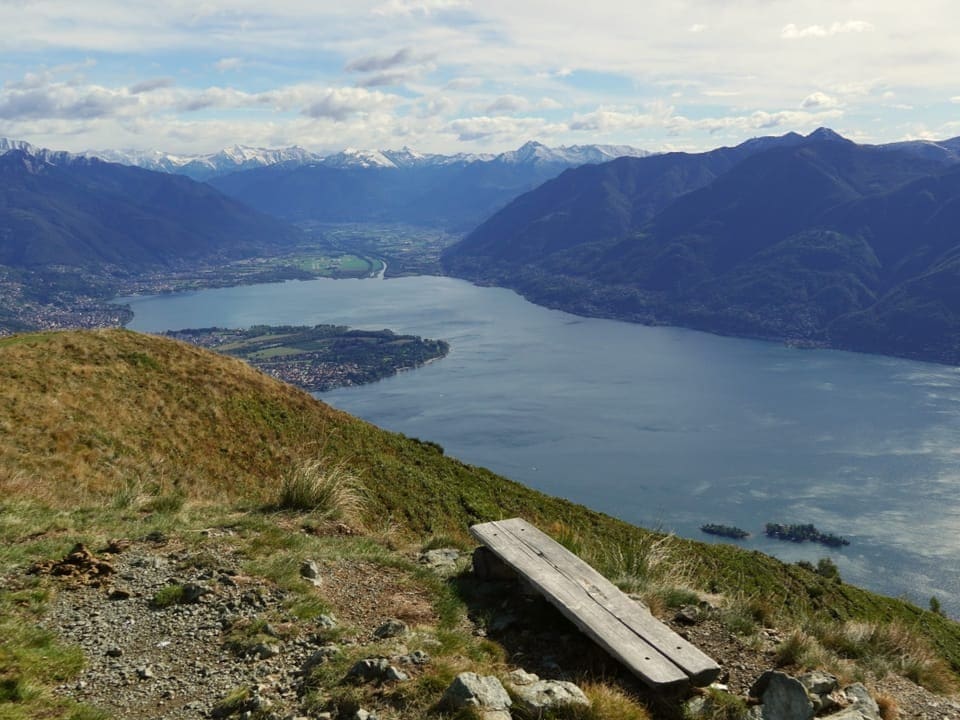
{"points": [[888, 648], [608, 703], [329, 491], [889, 708], [800, 650]]}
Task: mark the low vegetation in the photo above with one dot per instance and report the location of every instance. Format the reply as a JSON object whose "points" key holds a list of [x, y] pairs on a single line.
{"points": [[113, 434]]}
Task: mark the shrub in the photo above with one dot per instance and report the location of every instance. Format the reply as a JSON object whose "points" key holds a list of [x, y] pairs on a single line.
{"points": [[328, 491], [719, 705], [799, 650], [168, 595]]}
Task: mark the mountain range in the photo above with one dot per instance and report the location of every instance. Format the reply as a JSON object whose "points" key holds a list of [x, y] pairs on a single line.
{"points": [[815, 240], [237, 158], [86, 213], [454, 192]]}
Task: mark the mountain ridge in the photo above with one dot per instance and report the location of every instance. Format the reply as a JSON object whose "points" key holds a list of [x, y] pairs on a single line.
{"points": [[237, 158], [84, 212], [809, 240]]}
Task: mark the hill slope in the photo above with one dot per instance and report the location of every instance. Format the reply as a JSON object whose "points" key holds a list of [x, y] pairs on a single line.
{"points": [[84, 413], [814, 239], [174, 458]]}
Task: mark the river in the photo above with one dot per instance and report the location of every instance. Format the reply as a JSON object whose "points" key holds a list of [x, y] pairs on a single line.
{"points": [[664, 427]]}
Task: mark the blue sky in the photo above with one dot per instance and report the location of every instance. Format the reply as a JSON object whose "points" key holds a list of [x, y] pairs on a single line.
{"points": [[472, 75]]}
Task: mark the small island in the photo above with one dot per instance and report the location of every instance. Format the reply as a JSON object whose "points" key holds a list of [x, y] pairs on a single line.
{"points": [[727, 531], [804, 533], [322, 357]]}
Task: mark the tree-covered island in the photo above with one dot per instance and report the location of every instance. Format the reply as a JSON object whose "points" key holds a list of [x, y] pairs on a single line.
{"points": [[727, 531], [322, 357], [804, 533]]}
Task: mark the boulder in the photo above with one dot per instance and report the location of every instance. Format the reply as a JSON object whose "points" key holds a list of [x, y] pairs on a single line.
{"points": [[390, 629], [783, 697], [862, 707], [822, 688], [376, 669], [538, 695], [310, 571], [443, 560], [483, 693]]}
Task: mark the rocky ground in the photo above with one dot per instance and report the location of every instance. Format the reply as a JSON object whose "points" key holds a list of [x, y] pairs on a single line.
{"points": [[153, 652]]}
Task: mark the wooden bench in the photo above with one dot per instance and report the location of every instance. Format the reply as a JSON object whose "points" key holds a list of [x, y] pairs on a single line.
{"points": [[625, 629]]}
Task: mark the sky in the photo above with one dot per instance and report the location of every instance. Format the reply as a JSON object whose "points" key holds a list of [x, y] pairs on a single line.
{"points": [[447, 76]]}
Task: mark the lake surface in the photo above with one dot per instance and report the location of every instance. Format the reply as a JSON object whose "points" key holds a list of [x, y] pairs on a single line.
{"points": [[663, 427]]}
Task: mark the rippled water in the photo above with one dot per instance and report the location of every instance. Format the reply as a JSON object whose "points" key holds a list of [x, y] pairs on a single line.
{"points": [[660, 426]]}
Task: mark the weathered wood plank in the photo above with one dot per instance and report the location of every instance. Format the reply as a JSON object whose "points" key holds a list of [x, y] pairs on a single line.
{"points": [[628, 632]]}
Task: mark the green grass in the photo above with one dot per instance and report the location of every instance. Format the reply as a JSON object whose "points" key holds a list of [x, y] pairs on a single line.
{"points": [[168, 595]]}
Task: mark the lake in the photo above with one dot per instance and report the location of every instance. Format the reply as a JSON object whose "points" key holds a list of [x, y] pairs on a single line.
{"points": [[664, 427]]}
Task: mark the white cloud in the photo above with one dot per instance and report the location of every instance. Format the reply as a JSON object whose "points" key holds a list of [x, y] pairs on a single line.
{"points": [[151, 85], [421, 7], [466, 83], [819, 100], [63, 101], [381, 62], [484, 128], [425, 64], [228, 64], [507, 104], [793, 32], [607, 119], [338, 104]]}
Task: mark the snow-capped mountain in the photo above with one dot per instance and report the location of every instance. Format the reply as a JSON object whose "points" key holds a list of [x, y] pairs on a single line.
{"points": [[537, 153], [353, 158], [203, 167], [50, 156], [242, 157]]}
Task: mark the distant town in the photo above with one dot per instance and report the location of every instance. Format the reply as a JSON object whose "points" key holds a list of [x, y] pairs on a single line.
{"points": [[319, 358]]}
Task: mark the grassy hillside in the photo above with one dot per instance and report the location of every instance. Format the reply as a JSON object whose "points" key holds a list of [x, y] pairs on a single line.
{"points": [[89, 420]]}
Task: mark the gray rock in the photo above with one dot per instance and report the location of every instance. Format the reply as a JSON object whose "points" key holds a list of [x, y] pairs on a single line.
{"points": [[863, 706], [192, 592], [145, 672], [417, 657], [390, 629], [484, 693], [324, 654], [326, 622], [310, 570], [396, 675], [443, 560], [370, 669], [263, 651], [784, 697], [538, 695], [820, 685], [688, 615]]}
